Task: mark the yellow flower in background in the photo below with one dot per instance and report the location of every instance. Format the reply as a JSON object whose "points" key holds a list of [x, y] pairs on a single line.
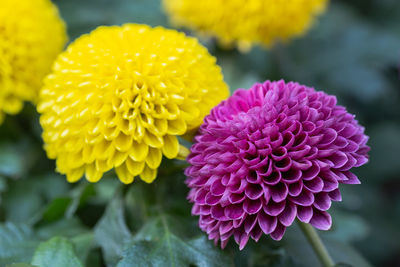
{"points": [[31, 35], [119, 97], [243, 23]]}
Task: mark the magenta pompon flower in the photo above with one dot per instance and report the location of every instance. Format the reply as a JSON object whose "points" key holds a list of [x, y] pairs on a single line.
{"points": [[268, 155]]}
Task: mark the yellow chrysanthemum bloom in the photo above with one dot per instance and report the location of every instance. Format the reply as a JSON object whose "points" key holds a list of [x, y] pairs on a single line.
{"points": [[31, 35], [119, 97], [245, 22]]}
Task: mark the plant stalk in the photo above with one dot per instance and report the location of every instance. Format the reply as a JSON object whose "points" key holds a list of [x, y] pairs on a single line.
{"points": [[317, 245]]}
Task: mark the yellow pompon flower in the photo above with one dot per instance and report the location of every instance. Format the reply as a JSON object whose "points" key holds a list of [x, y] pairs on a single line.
{"points": [[119, 97], [243, 23], [31, 35]]}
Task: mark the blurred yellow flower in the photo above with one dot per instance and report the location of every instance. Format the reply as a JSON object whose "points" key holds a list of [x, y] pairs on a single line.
{"points": [[242, 23], [31, 35], [119, 97]]}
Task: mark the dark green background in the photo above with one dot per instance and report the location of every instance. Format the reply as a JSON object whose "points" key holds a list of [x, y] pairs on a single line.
{"points": [[353, 52]]}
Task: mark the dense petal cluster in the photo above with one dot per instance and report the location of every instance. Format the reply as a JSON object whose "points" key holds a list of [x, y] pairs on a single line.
{"points": [[31, 36], [119, 97], [268, 155], [246, 22]]}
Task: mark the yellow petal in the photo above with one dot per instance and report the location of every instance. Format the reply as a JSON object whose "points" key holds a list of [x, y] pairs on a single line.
{"points": [[87, 154], [171, 146], [110, 133], [134, 167], [123, 142], [148, 175], [102, 149], [73, 160], [123, 174], [153, 140], [139, 151], [117, 158], [103, 165], [75, 175], [154, 157], [177, 127], [93, 175]]}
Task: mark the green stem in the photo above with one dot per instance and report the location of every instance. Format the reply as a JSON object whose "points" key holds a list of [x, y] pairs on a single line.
{"points": [[317, 245]]}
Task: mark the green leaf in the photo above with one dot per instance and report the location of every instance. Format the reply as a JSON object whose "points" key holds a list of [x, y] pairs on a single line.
{"points": [[11, 161], [111, 232], [164, 248], [73, 229], [57, 251], [67, 227], [79, 196], [17, 243], [21, 265], [83, 244], [22, 205], [56, 209]]}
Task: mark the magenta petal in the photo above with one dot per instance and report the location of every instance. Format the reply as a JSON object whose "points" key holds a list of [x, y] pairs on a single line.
{"points": [[217, 189], [339, 159], [288, 214], [225, 227], [306, 198], [236, 198], [200, 196], [315, 185], [278, 233], [304, 213], [217, 212], [267, 223], [335, 195], [256, 233], [351, 178], [243, 241], [234, 211], [254, 191], [273, 208], [295, 189], [273, 178], [279, 192], [329, 136], [211, 199], [322, 201], [329, 184], [312, 172], [224, 243], [249, 223], [196, 209], [252, 206], [291, 176], [321, 220]]}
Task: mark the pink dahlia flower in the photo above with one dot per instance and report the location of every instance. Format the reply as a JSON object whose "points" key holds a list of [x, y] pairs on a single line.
{"points": [[268, 155]]}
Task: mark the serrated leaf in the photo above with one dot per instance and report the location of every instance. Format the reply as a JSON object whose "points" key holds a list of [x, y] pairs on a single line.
{"points": [[17, 243], [57, 251], [164, 248], [73, 229], [111, 232]]}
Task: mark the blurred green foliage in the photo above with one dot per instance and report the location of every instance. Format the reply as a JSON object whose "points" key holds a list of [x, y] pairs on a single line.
{"points": [[352, 52]]}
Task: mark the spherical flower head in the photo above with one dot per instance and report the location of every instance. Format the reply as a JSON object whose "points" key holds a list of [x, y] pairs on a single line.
{"points": [[119, 97], [31, 35], [268, 155], [246, 22]]}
